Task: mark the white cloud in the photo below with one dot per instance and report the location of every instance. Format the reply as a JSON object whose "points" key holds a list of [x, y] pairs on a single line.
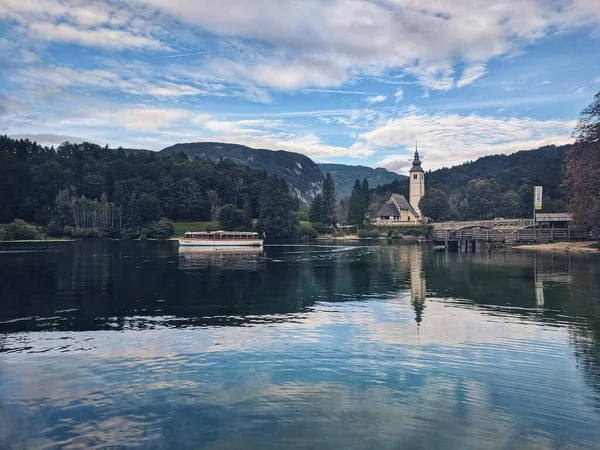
{"points": [[291, 45], [375, 99], [104, 24], [399, 94], [128, 81], [102, 37], [580, 90], [140, 118], [449, 139], [307, 144], [470, 74]]}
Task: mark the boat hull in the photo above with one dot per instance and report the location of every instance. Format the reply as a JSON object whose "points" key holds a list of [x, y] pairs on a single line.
{"points": [[220, 243]]}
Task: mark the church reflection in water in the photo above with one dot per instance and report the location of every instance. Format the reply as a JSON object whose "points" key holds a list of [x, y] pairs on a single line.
{"points": [[417, 283]]}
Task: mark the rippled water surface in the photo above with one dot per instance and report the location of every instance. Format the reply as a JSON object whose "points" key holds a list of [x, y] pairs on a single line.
{"points": [[136, 344]]}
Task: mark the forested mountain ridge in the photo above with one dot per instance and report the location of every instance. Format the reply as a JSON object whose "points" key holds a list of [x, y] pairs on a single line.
{"points": [[499, 178], [115, 192], [300, 172], [344, 176]]}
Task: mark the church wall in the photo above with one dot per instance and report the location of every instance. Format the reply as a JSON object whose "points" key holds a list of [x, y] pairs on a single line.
{"points": [[417, 189]]}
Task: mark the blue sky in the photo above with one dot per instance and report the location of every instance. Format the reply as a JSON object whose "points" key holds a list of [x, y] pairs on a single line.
{"points": [[351, 81]]}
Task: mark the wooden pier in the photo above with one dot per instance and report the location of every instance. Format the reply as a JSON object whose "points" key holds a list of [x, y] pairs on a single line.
{"points": [[478, 238]]}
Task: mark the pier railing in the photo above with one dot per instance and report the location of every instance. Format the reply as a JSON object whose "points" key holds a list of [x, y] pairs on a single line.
{"points": [[510, 236]]}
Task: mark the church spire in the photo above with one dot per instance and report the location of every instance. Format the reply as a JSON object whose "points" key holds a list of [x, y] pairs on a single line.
{"points": [[416, 162]]}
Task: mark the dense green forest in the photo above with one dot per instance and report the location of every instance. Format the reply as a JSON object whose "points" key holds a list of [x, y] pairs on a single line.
{"points": [[344, 177], [498, 185], [88, 190], [299, 171]]}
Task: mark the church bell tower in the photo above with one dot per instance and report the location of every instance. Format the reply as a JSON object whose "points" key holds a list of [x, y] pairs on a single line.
{"points": [[416, 182]]}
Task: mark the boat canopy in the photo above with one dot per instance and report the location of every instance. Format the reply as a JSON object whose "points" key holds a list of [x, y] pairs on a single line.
{"points": [[221, 235]]}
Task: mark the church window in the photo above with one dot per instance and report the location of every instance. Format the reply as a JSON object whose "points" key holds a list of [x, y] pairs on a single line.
{"points": [[415, 176]]}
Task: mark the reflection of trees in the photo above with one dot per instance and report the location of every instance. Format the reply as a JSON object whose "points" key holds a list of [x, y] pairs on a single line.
{"points": [[515, 284], [115, 285]]}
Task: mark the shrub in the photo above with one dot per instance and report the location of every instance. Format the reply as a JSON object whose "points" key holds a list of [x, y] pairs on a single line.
{"points": [[321, 228], [307, 233], [162, 229], [233, 219], [19, 230], [130, 233], [54, 228], [364, 233]]}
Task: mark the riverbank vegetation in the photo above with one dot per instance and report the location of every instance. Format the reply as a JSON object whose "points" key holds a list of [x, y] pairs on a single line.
{"points": [[85, 190], [583, 167]]}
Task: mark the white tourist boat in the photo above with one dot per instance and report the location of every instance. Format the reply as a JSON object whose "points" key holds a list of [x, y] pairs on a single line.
{"points": [[220, 239]]}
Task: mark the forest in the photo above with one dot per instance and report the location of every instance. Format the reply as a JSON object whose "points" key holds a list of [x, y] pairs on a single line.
{"points": [[85, 190], [492, 186]]}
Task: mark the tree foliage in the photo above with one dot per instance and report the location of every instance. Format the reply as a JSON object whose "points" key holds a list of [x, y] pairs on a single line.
{"points": [[88, 187], [18, 230], [583, 167], [277, 207], [233, 219], [323, 207], [516, 173], [358, 203], [434, 204]]}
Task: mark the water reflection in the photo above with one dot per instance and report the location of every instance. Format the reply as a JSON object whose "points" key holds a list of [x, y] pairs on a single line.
{"points": [[298, 346]]}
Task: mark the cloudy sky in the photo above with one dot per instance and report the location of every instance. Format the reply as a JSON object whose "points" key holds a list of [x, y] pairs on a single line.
{"points": [[351, 81]]}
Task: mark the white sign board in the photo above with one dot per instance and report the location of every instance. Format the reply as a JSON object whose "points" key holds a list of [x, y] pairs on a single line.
{"points": [[537, 198]]}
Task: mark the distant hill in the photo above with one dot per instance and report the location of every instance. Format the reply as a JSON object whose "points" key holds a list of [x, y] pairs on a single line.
{"points": [[543, 166], [344, 176], [300, 172]]}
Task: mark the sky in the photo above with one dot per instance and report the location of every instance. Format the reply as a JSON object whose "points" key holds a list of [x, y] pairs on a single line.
{"points": [[348, 81]]}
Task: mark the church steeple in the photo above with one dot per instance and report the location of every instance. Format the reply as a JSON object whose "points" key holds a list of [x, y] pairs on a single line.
{"points": [[416, 162], [416, 182]]}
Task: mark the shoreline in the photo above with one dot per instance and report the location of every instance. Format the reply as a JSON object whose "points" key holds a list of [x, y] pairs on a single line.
{"points": [[589, 247], [37, 240]]}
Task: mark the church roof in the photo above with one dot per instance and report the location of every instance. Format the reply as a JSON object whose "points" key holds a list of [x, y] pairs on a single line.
{"points": [[388, 209], [416, 167], [401, 201]]}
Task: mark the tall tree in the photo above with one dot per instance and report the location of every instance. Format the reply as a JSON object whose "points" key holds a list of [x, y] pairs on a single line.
{"points": [[435, 204], [328, 193], [277, 206], [233, 219], [315, 213], [511, 206], [483, 198], [583, 167], [358, 203]]}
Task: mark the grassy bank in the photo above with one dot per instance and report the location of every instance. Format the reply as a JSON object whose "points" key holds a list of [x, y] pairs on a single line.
{"points": [[182, 227]]}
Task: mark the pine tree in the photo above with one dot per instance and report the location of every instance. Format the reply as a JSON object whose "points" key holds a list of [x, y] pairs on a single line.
{"points": [[277, 206], [355, 205], [328, 193], [358, 204]]}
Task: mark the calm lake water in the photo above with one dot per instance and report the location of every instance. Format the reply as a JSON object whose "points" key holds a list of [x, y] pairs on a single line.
{"points": [[380, 346]]}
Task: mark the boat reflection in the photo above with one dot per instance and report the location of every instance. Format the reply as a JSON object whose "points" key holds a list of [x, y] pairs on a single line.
{"points": [[233, 258]]}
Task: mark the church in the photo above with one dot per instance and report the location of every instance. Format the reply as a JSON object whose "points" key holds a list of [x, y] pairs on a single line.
{"points": [[399, 211]]}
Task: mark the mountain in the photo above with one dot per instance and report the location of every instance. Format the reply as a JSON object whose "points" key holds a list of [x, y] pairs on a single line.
{"points": [[508, 173], [300, 172], [344, 176]]}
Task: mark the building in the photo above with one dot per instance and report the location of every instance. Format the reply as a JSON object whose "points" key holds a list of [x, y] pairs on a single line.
{"points": [[397, 210], [554, 220]]}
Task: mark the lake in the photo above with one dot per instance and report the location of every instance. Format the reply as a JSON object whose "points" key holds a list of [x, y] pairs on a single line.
{"points": [[108, 343]]}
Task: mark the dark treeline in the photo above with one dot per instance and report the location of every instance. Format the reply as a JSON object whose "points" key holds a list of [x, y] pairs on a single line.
{"points": [[128, 194], [492, 186]]}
